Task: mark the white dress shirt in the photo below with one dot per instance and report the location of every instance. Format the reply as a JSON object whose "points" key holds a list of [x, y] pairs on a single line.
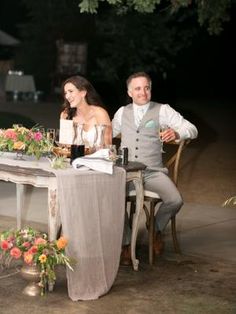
{"points": [[139, 112], [167, 116]]}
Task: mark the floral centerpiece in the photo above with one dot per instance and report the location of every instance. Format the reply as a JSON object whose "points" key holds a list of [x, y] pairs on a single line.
{"points": [[30, 141], [35, 249]]}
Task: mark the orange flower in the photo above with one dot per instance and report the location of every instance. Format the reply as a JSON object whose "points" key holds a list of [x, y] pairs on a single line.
{"points": [[28, 258], [42, 258], [19, 145], [62, 243]]}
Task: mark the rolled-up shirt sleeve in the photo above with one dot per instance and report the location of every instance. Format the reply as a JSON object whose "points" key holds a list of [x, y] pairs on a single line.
{"points": [[172, 118], [116, 122]]}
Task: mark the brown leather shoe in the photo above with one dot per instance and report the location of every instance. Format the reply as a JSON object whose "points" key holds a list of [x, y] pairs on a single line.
{"points": [[158, 244], [125, 257]]}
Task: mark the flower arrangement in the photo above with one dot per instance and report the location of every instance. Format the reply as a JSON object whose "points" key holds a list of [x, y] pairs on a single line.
{"points": [[30, 141], [35, 249]]}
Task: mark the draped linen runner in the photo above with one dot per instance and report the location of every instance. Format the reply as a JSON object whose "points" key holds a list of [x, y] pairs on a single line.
{"points": [[92, 206]]}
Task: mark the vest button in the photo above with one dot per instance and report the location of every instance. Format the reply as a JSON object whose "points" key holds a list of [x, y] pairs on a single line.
{"points": [[136, 156], [137, 131], [136, 147], [137, 139]]}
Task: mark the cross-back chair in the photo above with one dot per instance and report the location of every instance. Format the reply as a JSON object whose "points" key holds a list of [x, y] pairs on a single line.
{"points": [[172, 162]]}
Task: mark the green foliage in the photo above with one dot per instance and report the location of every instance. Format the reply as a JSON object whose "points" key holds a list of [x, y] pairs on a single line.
{"points": [[212, 13], [138, 41], [124, 36]]}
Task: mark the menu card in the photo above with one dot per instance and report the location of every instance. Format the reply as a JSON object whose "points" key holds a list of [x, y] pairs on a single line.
{"points": [[66, 133]]}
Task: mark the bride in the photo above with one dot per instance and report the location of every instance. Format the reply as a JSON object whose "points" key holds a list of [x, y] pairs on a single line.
{"points": [[83, 105]]}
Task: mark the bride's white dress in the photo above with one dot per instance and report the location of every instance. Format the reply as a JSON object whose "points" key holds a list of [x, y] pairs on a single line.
{"points": [[89, 137]]}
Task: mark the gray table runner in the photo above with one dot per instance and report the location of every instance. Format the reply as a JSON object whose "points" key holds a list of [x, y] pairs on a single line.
{"points": [[92, 206]]}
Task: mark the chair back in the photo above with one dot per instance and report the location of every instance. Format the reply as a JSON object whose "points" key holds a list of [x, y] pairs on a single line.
{"points": [[172, 157]]}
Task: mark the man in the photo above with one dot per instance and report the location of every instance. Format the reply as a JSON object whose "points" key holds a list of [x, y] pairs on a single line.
{"points": [[139, 124]]}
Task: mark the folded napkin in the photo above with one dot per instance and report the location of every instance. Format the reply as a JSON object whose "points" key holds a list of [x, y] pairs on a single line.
{"points": [[98, 161]]}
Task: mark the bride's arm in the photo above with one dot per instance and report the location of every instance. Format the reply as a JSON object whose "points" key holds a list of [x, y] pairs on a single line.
{"points": [[103, 118]]}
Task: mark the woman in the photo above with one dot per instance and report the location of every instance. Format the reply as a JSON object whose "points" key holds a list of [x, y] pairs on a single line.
{"points": [[83, 106]]}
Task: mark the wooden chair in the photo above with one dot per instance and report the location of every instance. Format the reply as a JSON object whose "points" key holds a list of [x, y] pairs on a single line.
{"points": [[172, 162]]}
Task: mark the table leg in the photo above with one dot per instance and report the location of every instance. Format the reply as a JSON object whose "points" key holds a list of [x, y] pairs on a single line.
{"points": [[54, 220], [20, 198], [139, 207]]}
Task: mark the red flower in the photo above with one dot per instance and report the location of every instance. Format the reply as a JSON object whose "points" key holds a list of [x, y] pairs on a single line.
{"points": [[33, 250], [15, 252], [5, 245]]}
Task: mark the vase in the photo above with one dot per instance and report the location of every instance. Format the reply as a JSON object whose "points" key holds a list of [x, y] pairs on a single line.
{"points": [[19, 155], [99, 142], [31, 273]]}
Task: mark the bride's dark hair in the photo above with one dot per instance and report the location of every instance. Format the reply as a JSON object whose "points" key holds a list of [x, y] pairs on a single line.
{"points": [[81, 83]]}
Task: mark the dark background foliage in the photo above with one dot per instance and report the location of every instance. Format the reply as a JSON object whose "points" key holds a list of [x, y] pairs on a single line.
{"points": [[182, 57]]}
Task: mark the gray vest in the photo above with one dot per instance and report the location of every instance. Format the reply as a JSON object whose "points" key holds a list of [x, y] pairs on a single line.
{"points": [[143, 142]]}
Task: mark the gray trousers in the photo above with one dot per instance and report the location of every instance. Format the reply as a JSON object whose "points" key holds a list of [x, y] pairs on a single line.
{"points": [[159, 182]]}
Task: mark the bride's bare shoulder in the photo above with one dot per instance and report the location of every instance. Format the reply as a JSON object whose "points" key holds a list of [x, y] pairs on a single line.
{"points": [[63, 115]]}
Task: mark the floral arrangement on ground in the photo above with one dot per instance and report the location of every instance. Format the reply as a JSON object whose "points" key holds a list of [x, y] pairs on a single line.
{"points": [[35, 249], [29, 141]]}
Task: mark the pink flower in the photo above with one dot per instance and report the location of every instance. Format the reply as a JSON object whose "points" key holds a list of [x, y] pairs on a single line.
{"points": [[39, 241], [5, 245], [26, 244], [38, 136], [10, 133], [15, 252]]}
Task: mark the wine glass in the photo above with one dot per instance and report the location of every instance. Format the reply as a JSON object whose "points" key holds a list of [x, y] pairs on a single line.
{"points": [[112, 152], [89, 138], [51, 134], [99, 141], [162, 129]]}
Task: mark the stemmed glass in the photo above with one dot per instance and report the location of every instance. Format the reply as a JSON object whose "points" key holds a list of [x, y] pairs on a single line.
{"points": [[89, 138], [162, 128], [51, 135], [112, 152]]}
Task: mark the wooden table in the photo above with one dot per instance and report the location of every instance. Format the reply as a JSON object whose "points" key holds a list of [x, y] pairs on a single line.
{"points": [[38, 177], [42, 177]]}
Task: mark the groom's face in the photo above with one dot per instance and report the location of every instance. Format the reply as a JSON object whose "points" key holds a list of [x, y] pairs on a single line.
{"points": [[139, 90]]}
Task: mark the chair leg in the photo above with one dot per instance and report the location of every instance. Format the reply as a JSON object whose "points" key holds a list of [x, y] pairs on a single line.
{"points": [[151, 231], [132, 211], [147, 216], [174, 236]]}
